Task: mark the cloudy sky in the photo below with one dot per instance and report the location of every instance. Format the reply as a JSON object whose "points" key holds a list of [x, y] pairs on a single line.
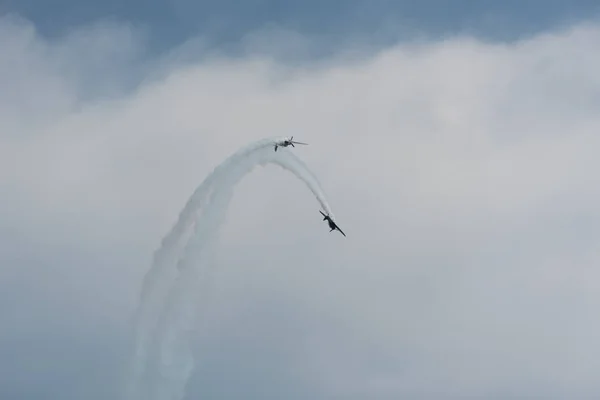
{"points": [[457, 145]]}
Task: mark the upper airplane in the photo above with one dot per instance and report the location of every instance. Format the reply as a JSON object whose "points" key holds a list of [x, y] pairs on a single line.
{"points": [[286, 143], [332, 224]]}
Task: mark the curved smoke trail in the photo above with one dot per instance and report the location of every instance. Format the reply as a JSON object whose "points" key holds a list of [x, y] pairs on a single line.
{"points": [[158, 279], [162, 328]]}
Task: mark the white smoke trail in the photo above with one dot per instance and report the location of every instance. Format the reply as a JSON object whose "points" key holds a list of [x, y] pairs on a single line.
{"points": [[177, 315], [160, 276], [298, 168]]}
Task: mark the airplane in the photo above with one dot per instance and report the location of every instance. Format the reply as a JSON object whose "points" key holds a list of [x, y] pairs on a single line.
{"points": [[332, 224], [287, 142]]}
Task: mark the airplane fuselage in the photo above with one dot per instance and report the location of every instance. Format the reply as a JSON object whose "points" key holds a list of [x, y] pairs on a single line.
{"points": [[286, 143], [332, 224]]}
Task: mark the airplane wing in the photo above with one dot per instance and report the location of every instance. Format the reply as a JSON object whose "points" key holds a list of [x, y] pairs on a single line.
{"points": [[322, 213], [338, 228], [300, 143]]}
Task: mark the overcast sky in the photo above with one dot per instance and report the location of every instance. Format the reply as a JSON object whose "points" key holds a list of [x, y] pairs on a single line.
{"points": [[457, 146]]}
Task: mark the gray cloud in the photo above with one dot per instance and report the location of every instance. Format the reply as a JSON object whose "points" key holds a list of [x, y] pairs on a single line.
{"points": [[463, 173], [225, 24]]}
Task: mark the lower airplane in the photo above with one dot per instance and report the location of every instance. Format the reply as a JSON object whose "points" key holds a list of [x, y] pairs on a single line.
{"points": [[287, 142], [332, 224]]}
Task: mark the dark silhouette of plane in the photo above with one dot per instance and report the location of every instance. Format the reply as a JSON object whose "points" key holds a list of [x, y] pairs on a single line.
{"points": [[287, 142], [332, 224]]}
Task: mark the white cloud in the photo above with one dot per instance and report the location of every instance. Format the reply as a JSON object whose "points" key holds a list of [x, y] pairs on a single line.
{"points": [[464, 173]]}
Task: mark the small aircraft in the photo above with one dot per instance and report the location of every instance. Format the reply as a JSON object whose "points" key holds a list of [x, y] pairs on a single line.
{"points": [[287, 142], [332, 224]]}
